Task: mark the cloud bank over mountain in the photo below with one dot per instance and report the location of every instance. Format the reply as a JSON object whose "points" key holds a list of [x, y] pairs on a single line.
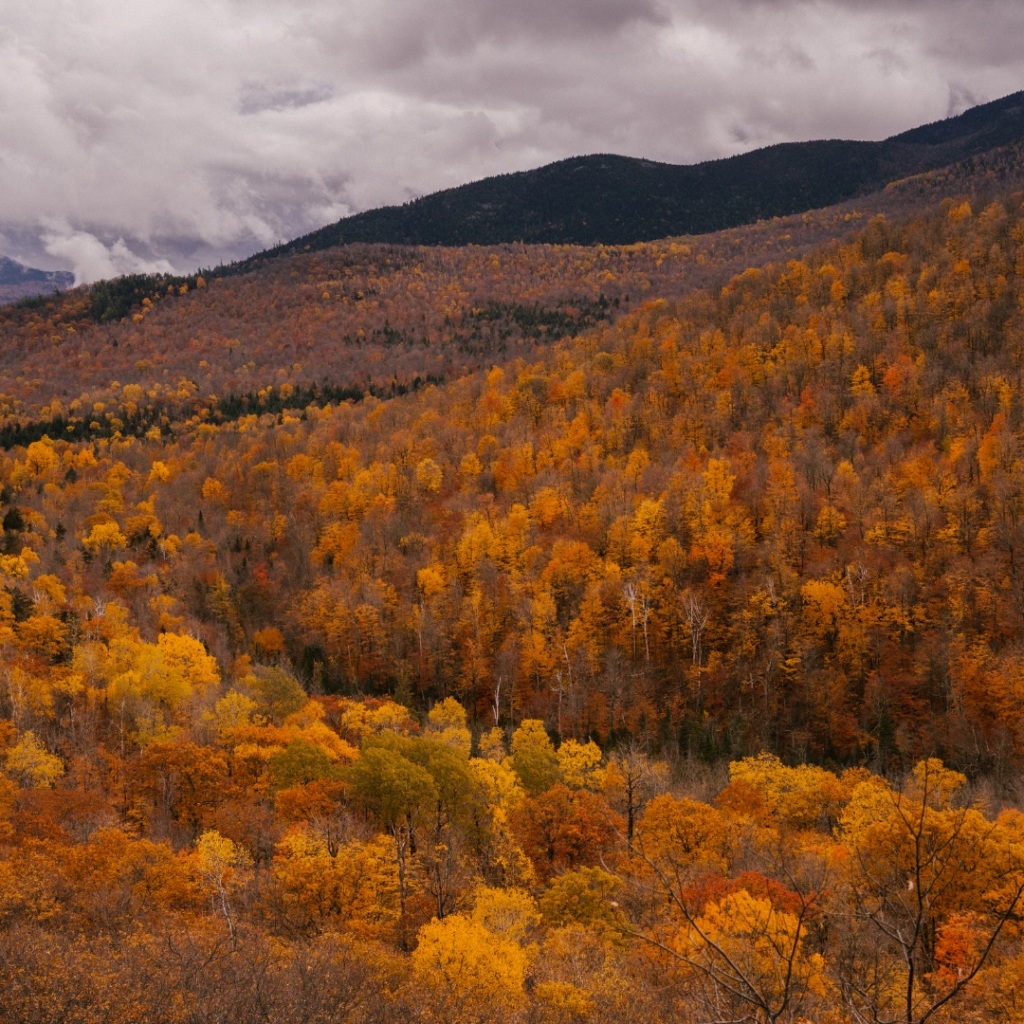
{"points": [[176, 134]]}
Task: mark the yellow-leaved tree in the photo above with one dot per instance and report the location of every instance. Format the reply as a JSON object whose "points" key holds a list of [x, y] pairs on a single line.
{"points": [[801, 797], [474, 966], [354, 889], [220, 862], [31, 765], [167, 672], [233, 711], [447, 722], [580, 764], [533, 757]]}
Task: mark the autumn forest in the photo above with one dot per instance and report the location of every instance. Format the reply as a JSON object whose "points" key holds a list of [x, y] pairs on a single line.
{"points": [[524, 632]]}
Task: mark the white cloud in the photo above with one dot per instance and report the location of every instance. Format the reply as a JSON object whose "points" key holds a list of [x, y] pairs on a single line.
{"points": [[200, 130], [91, 260]]}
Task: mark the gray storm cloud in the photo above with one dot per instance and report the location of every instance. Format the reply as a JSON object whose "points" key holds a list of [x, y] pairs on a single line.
{"points": [[157, 135]]}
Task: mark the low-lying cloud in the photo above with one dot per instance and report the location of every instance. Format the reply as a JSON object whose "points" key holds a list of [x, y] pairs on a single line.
{"points": [[91, 260], [158, 135]]}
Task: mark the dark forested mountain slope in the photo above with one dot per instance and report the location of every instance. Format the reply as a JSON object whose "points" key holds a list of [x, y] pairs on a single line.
{"points": [[621, 200]]}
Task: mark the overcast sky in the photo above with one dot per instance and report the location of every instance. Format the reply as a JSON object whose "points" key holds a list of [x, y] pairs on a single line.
{"points": [[161, 134]]}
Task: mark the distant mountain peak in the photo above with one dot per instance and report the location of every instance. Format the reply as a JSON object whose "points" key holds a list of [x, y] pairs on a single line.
{"points": [[18, 281]]}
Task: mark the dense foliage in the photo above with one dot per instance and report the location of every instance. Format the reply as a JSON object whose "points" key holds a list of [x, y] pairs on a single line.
{"points": [[376, 628], [363, 317], [288, 859], [783, 514]]}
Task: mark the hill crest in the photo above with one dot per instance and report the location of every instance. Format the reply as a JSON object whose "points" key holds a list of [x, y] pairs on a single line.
{"points": [[610, 199]]}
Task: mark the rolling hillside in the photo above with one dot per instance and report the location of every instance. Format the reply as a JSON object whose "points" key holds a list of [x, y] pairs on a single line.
{"points": [[525, 634]]}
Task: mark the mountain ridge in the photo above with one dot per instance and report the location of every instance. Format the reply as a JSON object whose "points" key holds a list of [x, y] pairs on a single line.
{"points": [[18, 281], [611, 199]]}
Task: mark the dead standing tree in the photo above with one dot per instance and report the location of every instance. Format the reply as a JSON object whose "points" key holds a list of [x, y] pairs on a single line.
{"points": [[697, 615]]}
